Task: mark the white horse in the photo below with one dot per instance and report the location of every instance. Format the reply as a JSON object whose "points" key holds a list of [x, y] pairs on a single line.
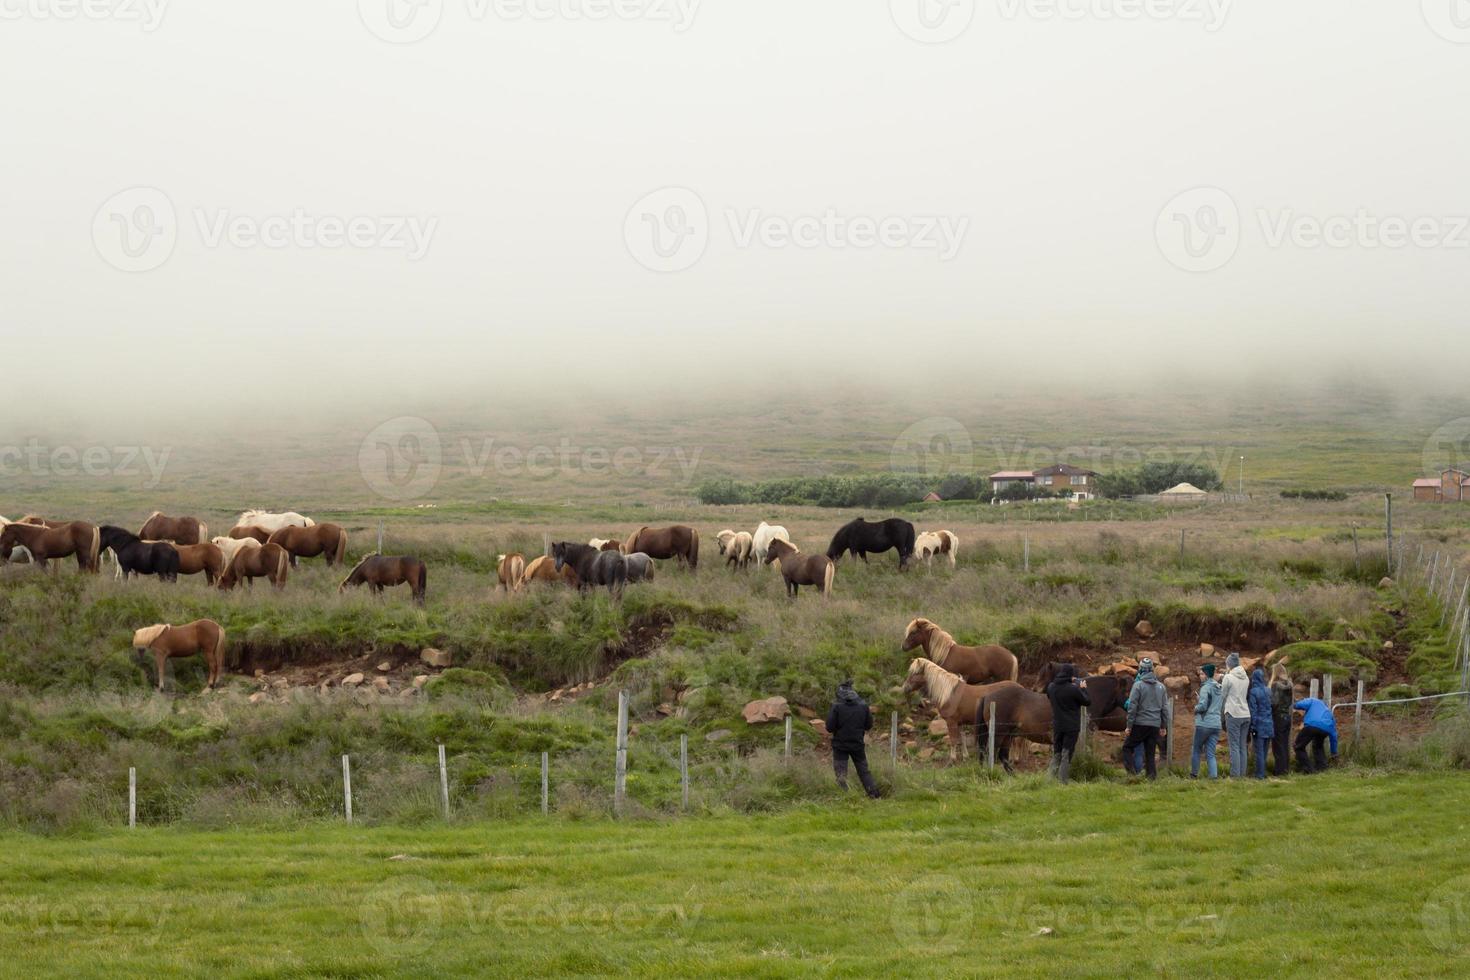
{"points": [[735, 546], [931, 543], [274, 522], [230, 547], [760, 541], [19, 550]]}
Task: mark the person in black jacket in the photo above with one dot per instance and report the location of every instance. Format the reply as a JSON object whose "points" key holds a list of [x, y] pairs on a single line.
{"points": [[847, 722], [1067, 694]]}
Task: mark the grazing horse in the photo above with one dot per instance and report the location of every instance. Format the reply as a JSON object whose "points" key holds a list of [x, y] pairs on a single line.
{"points": [[1018, 711], [250, 532], [269, 561], [509, 570], [230, 547], [678, 541], [379, 571], [640, 567], [138, 557], [736, 546], [44, 543], [931, 543], [201, 636], [179, 530], [328, 540], [18, 548], [1107, 692], [977, 665], [206, 558], [861, 536], [273, 522], [760, 541], [798, 569], [543, 568], [593, 567]]}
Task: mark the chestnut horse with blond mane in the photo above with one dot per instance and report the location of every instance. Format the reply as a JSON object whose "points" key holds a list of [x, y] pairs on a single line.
{"points": [[679, 541], [178, 530], [201, 636], [269, 561], [328, 540], [509, 570], [977, 665], [1017, 710], [59, 541]]}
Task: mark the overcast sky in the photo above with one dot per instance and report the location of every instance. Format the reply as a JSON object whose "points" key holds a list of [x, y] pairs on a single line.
{"points": [[470, 191]]}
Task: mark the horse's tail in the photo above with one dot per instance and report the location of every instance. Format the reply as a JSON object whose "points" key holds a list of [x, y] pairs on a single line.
{"points": [[423, 582], [693, 548], [341, 544], [203, 533], [827, 579], [1015, 667], [95, 558], [223, 650], [283, 562], [516, 573]]}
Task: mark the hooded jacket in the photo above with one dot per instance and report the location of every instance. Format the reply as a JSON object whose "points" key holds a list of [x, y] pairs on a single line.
{"points": [[849, 719], [1149, 702], [1235, 689], [1207, 708], [1281, 698], [1318, 716], [1259, 699], [1067, 699]]}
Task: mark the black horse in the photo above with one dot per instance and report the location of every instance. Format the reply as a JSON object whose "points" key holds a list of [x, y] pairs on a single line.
{"points": [[861, 536], [138, 557], [1107, 692], [593, 567]]}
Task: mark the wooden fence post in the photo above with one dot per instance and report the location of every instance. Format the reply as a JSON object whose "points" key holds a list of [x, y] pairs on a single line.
{"points": [[990, 736], [1388, 529], [788, 738], [1169, 745], [1316, 687], [545, 783], [443, 781], [620, 778], [1358, 715], [1356, 564], [1082, 732], [1181, 546], [684, 768], [347, 787], [893, 741], [1327, 690], [1026, 553], [132, 796], [380, 537]]}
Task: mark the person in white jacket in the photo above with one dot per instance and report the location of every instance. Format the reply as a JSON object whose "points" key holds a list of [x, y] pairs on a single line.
{"points": [[1237, 711]]}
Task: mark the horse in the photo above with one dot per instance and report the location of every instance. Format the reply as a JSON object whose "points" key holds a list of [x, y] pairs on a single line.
{"points": [[760, 541], [861, 536], [798, 569], [206, 558], [1018, 711], [45, 543], [328, 540], [736, 546], [179, 530], [201, 636], [1107, 692], [268, 561], [230, 547], [274, 522], [138, 557], [593, 567], [606, 544], [18, 548], [378, 571], [249, 532], [640, 567], [543, 569], [977, 665], [931, 543], [678, 541], [509, 570]]}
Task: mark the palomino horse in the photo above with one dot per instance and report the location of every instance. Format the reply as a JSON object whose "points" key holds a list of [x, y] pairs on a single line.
{"points": [[1018, 711], [640, 567], [509, 570], [250, 532], [798, 569], [201, 636], [137, 557], [678, 541], [760, 541], [977, 665], [45, 543], [269, 561], [1107, 692], [308, 542], [543, 569], [378, 572], [206, 558], [273, 522], [229, 547], [736, 546], [606, 544], [593, 567], [861, 536], [931, 543], [179, 530]]}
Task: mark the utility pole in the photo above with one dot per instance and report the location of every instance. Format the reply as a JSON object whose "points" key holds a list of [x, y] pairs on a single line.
{"points": [[1240, 487]]}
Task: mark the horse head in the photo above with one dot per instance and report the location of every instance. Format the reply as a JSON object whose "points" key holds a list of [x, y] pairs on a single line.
{"points": [[559, 554], [917, 633], [917, 677]]}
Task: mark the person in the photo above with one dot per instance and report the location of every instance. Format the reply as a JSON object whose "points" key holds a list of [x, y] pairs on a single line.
{"points": [[1206, 723], [1234, 690], [1148, 709], [847, 723], [1068, 695], [1318, 726], [1282, 696], [1262, 730]]}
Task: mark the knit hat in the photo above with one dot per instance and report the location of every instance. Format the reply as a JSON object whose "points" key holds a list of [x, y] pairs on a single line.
{"points": [[1232, 661], [1208, 669], [1145, 666]]}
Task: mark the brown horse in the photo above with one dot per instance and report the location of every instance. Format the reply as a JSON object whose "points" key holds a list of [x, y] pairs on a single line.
{"points": [[378, 572], [308, 542], [206, 558], [1018, 711], [47, 542], [179, 530], [509, 570], [252, 531], [268, 561], [678, 541], [798, 569], [543, 569], [201, 636], [1107, 692], [977, 665]]}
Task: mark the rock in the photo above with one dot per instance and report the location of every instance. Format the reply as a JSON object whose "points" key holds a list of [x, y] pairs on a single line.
{"points": [[352, 680], [909, 746], [420, 680], [1176, 684], [806, 712], [1206, 649], [1385, 583], [1388, 644], [1044, 931], [436, 658], [718, 735], [766, 710], [938, 727], [819, 726], [1105, 670], [1132, 662], [926, 753], [1144, 628], [1161, 671], [665, 709], [384, 667], [381, 683], [259, 672], [258, 697]]}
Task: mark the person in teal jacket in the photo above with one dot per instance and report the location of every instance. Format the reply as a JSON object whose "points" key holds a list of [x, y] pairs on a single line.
{"points": [[1318, 726], [1206, 723], [1262, 730]]}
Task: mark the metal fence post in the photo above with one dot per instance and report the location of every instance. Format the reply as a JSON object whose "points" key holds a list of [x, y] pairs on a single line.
{"points": [[444, 781], [347, 787], [893, 740], [620, 776], [990, 735], [788, 738], [1358, 715]]}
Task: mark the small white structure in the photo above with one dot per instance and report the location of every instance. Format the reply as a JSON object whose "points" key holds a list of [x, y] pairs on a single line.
{"points": [[1184, 491]]}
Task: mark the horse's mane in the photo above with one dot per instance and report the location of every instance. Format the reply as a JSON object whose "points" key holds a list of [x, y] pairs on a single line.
{"points": [[156, 513], [941, 683], [145, 636], [939, 644]]}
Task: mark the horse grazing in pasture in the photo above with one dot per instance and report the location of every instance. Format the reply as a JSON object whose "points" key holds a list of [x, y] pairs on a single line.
{"points": [[249, 532], [543, 568], [45, 543], [679, 541], [229, 547], [328, 540], [931, 543], [378, 572], [760, 541], [138, 557], [20, 550], [269, 561], [206, 558], [606, 544], [640, 567], [179, 530], [509, 570], [1018, 711], [593, 567], [1108, 692], [861, 536], [273, 522], [201, 636], [736, 546], [977, 665], [798, 569]]}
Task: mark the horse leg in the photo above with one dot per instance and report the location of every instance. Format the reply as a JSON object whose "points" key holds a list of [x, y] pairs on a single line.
{"points": [[159, 656]]}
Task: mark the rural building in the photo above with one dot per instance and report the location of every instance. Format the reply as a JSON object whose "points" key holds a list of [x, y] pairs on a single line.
{"points": [[1062, 479], [1451, 485], [1183, 491], [931, 497]]}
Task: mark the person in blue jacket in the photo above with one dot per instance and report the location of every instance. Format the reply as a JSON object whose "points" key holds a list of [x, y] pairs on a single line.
{"points": [[1318, 726], [1206, 723], [1258, 697]]}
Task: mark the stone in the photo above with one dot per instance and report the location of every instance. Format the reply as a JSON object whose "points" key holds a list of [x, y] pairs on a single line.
{"points": [[420, 680], [381, 683], [1385, 583], [718, 735], [806, 712], [909, 746], [1176, 684], [352, 680], [384, 667], [666, 709], [926, 753], [1144, 628], [819, 726], [765, 710], [1206, 649], [258, 697], [1161, 671], [259, 672], [436, 658], [1388, 644], [938, 727]]}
